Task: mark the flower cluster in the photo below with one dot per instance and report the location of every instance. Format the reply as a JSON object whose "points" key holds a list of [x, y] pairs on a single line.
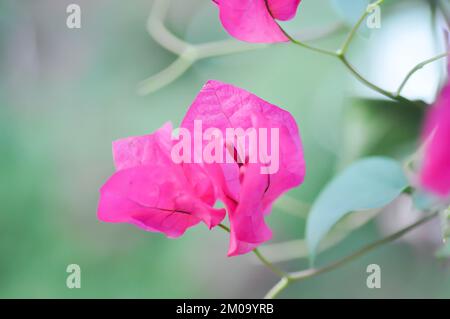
{"points": [[155, 193]]}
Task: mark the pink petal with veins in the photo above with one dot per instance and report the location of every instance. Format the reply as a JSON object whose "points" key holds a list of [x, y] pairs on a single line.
{"points": [[152, 192], [247, 193]]}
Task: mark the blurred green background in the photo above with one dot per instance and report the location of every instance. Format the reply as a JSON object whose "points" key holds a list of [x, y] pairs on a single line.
{"points": [[66, 94]]}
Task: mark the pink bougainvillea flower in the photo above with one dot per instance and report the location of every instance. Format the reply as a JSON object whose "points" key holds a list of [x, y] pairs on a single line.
{"points": [[254, 20], [247, 193], [435, 174], [152, 192]]}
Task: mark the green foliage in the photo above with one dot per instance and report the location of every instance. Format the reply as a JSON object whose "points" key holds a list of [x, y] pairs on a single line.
{"points": [[373, 127], [367, 184]]}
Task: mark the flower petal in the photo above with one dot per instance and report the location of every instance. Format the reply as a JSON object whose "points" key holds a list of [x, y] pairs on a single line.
{"points": [[247, 220], [435, 174], [146, 197], [155, 199], [141, 150], [283, 9], [152, 192], [247, 193], [251, 20]]}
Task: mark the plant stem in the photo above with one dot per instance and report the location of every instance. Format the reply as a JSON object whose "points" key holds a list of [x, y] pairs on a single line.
{"points": [[373, 86], [225, 228], [344, 48], [308, 273], [352, 33], [159, 32], [278, 288], [263, 259], [363, 79], [269, 265], [288, 278], [189, 53], [417, 68], [341, 55], [301, 275], [308, 46]]}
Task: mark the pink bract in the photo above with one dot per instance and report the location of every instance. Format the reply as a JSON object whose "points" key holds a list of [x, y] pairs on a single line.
{"points": [[435, 174], [154, 193], [247, 193], [151, 192], [254, 20]]}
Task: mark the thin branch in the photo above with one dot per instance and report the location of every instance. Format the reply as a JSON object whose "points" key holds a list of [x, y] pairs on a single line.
{"points": [[306, 45], [373, 86], [166, 76], [301, 275], [269, 265], [263, 259], [226, 47], [159, 32], [418, 67], [190, 53], [345, 46], [341, 55], [277, 289], [225, 228], [297, 249], [308, 273]]}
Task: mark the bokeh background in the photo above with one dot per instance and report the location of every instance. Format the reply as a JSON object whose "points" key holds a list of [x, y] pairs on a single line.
{"points": [[66, 94]]}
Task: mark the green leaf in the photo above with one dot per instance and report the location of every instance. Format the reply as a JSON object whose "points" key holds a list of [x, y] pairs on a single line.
{"points": [[372, 127], [367, 184]]}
